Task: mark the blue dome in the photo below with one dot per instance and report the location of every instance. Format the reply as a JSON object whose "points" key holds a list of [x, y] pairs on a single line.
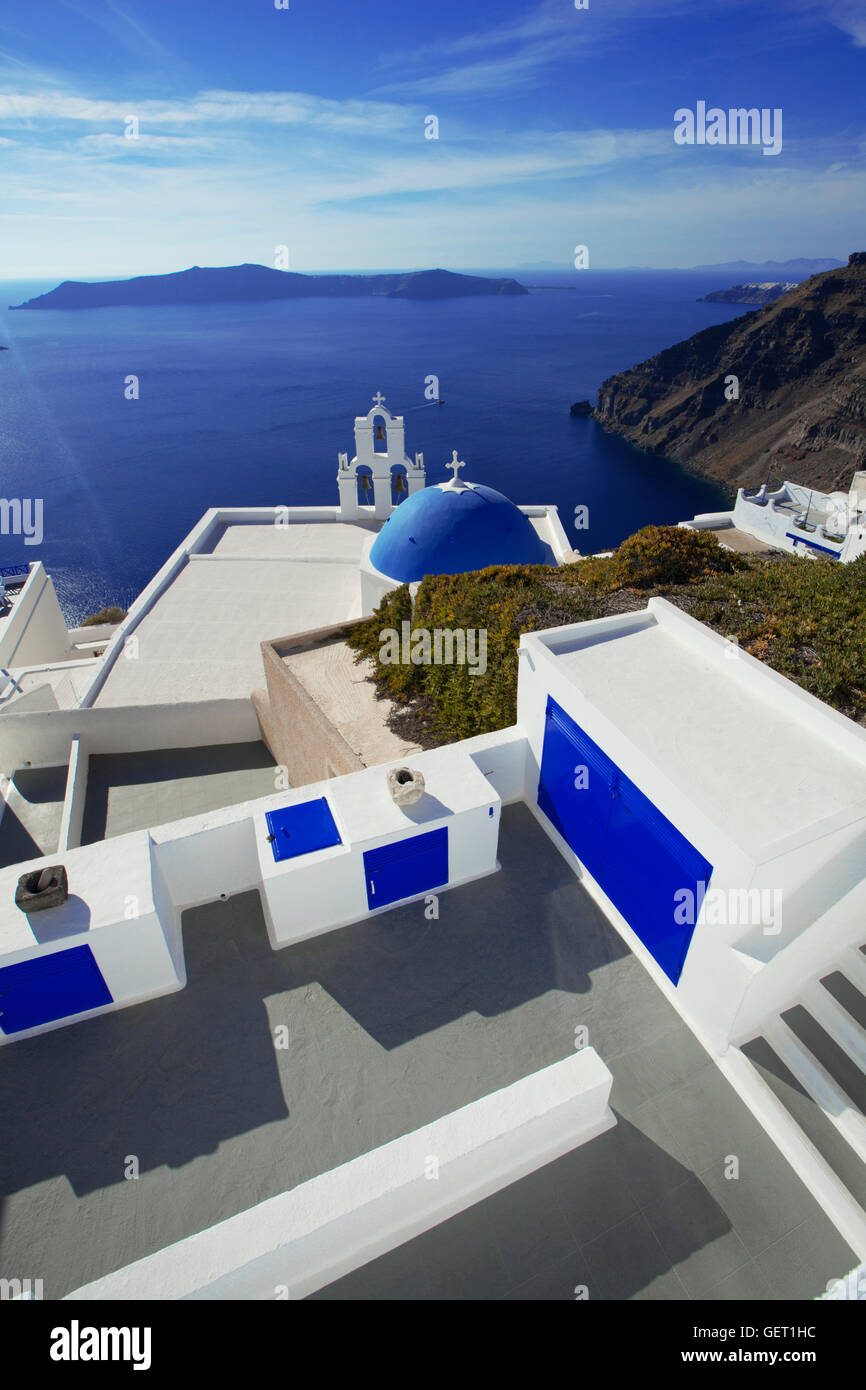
{"points": [[449, 530]]}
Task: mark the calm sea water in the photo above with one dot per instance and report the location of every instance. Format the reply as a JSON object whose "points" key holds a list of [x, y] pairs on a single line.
{"points": [[245, 405]]}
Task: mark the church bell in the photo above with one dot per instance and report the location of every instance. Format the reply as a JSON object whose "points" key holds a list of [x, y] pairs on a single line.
{"points": [[380, 433]]}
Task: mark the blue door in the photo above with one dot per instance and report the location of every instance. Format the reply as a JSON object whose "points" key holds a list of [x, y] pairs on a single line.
{"points": [[576, 787], [634, 853], [301, 829], [50, 987], [408, 867]]}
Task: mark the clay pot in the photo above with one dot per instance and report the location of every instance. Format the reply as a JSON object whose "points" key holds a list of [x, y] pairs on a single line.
{"points": [[405, 785]]}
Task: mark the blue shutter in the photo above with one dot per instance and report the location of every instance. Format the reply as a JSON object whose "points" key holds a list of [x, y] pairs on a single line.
{"points": [[301, 829], [50, 987], [408, 867], [635, 854]]}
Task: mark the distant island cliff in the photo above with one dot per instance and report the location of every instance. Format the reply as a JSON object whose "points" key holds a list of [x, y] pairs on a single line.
{"points": [[213, 285], [795, 372]]}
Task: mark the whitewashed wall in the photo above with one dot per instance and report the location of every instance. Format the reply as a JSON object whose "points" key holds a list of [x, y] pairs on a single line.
{"points": [[35, 630], [42, 738]]}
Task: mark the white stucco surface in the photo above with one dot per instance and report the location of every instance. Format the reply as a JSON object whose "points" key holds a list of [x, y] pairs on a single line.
{"points": [[201, 638], [326, 888], [746, 757], [307, 540]]}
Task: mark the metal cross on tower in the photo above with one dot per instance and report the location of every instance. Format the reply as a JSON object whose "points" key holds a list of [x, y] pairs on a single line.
{"points": [[378, 399]]}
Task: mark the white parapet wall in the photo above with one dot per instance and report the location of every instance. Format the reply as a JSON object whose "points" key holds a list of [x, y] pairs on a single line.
{"points": [[35, 630], [127, 894], [304, 1239], [76, 796], [111, 910], [41, 738]]}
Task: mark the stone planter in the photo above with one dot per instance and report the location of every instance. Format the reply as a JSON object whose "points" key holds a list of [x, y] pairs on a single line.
{"points": [[42, 888], [405, 785]]}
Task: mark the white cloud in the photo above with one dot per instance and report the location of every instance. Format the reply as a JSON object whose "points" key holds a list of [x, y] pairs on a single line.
{"points": [[214, 107], [850, 17]]}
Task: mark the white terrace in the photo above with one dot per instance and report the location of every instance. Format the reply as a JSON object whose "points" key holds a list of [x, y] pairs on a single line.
{"points": [[639, 797]]}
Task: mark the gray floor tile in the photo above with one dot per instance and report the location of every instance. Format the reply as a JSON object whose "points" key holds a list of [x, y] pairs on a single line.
{"points": [[708, 1119], [626, 1261], [558, 1282], [668, 1062], [801, 1264], [697, 1236], [746, 1285], [594, 1193], [766, 1200]]}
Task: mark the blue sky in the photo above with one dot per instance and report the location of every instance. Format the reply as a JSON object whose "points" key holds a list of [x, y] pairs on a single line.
{"points": [[304, 127]]}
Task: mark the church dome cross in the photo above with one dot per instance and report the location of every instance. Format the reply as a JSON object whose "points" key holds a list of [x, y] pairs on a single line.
{"points": [[455, 465]]}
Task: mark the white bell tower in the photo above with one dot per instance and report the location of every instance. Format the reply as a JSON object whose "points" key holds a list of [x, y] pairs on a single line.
{"points": [[380, 427]]}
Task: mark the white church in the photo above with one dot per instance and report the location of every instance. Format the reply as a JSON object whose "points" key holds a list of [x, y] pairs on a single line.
{"points": [[667, 846]]}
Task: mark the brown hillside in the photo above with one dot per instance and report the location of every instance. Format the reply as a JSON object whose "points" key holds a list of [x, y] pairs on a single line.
{"points": [[801, 413]]}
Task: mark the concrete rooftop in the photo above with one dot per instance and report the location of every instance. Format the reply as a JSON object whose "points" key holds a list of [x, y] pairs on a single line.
{"points": [[781, 772], [391, 1023], [134, 791], [201, 639], [31, 814]]}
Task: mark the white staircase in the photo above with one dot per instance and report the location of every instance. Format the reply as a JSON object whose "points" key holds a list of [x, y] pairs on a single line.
{"points": [[805, 1074]]}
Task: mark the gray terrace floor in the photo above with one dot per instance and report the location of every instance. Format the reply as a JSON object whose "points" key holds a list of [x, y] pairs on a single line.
{"points": [[133, 791], [391, 1023], [30, 826]]}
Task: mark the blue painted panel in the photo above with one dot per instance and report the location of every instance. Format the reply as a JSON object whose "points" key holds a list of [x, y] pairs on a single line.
{"points": [[408, 867], [50, 987], [826, 549], [634, 853], [302, 829], [647, 864], [575, 789]]}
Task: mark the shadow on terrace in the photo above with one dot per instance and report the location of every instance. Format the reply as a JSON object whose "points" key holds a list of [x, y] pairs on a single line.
{"points": [[387, 1025]]}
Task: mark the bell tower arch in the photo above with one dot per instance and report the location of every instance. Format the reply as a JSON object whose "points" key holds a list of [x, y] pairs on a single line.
{"points": [[374, 430]]}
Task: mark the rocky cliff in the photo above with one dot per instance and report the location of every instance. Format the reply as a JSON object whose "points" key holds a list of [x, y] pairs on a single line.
{"points": [[797, 405], [251, 283]]}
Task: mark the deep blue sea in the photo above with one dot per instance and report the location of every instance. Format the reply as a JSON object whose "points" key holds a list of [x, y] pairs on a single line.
{"points": [[245, 405]]}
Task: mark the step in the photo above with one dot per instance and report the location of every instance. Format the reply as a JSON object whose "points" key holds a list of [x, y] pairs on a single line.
{"points": [[837, 1021], [826, 1139], [817, 1083], [820, 1157], [843, 1066], [852, 969]]}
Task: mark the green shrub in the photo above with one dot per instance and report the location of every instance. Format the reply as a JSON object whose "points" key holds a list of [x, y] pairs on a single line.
{"points": [[105, 615], [805, 618], [669, 555]]}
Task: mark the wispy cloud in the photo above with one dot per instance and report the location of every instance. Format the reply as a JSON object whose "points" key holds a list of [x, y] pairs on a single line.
{"points": [[850, 17], [519, 53], [211, 107], [118, 23]]}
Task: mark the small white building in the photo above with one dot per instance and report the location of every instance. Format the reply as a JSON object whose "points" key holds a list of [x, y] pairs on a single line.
{"points": [[797, 519]]}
